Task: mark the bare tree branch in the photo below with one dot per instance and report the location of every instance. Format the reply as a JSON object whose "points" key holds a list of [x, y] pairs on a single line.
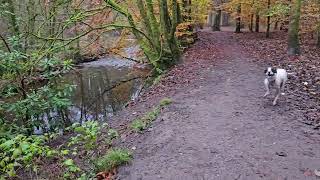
{"points": [[5, 43]]}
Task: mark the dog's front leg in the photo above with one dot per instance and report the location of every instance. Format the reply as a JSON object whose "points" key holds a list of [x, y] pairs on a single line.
{"points": [[277, 96], [266, 84]]}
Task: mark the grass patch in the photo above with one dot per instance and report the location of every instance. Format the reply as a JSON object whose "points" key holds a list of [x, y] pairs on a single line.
{"points": [[165, 102], [157, 80], [138, 125], [113, 159], [152, 115]]}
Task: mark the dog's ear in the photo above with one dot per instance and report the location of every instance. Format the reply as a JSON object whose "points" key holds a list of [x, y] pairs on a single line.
{"points": [[274, 70]]}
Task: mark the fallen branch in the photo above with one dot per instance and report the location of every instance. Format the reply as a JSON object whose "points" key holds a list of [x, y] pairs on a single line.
{"points": [[127, 58], [5, 43]]}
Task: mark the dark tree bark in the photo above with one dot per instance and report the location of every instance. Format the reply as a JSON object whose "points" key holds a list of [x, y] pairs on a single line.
{"points": [[5, 43], [293, 34], [225, 19], [276, 25], [251, 23], [268, 21], [257, 27], [217, 21], [318, 33], [238, 20], [318, 41]]}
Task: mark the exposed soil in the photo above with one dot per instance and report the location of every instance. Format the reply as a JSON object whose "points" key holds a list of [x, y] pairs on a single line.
{"points": [[219, 125]]}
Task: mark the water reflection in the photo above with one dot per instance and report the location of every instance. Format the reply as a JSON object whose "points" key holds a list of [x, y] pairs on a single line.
{"points": [[91, 99]]}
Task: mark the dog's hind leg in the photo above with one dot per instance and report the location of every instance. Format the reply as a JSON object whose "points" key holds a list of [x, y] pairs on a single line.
{"points": [[282, 87], [277, 96], [266, 84]]}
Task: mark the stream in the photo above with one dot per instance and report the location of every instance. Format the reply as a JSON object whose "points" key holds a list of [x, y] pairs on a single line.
{"points": [[92, 99]]}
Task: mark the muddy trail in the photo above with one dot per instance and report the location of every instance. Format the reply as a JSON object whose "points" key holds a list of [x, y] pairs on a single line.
{"points": [[219, 125]]}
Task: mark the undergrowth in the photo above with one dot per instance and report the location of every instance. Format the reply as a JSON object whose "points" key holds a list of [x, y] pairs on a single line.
{"points": [[112, 159], [142, 123], [19, 151]]}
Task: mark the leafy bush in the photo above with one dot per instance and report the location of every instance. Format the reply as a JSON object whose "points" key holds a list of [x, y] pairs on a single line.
{"points": [[112, 134], [87, 134], [19, 151], [71, 169], [113, 159]]}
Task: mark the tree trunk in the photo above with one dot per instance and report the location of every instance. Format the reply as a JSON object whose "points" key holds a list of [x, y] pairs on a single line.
{"points": [[155, 26], [31, 24], [179, 17], [13, 18], [172, 42], [293, 34], [251, 23], [238, 20], [210, 19], [268, 21], [318, 41], [144, 16], [276, 25], [318, 35], [225, 19], [189, 10], [169, 28], [217, 21], [257, 23]]}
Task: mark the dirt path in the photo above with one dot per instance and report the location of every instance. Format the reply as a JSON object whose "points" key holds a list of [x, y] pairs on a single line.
{"points": [[220, 127]]}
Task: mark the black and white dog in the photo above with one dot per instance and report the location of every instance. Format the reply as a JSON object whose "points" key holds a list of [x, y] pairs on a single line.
{"points": [[278, 77]]}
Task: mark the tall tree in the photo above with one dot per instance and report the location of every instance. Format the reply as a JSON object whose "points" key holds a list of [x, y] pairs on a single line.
{"points": [[217, 15], [318, 27], [238, 19], [293, 34], [12, 17], [318, 41], [169, 27], [251, 23], [268, 20], [217, 20], [257, 26]]}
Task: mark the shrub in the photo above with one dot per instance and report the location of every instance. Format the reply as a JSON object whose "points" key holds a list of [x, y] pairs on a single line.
{"points": [[113, 159]]}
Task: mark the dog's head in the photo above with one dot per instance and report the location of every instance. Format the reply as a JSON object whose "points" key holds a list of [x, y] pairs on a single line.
{"points": [[270, 71]]}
